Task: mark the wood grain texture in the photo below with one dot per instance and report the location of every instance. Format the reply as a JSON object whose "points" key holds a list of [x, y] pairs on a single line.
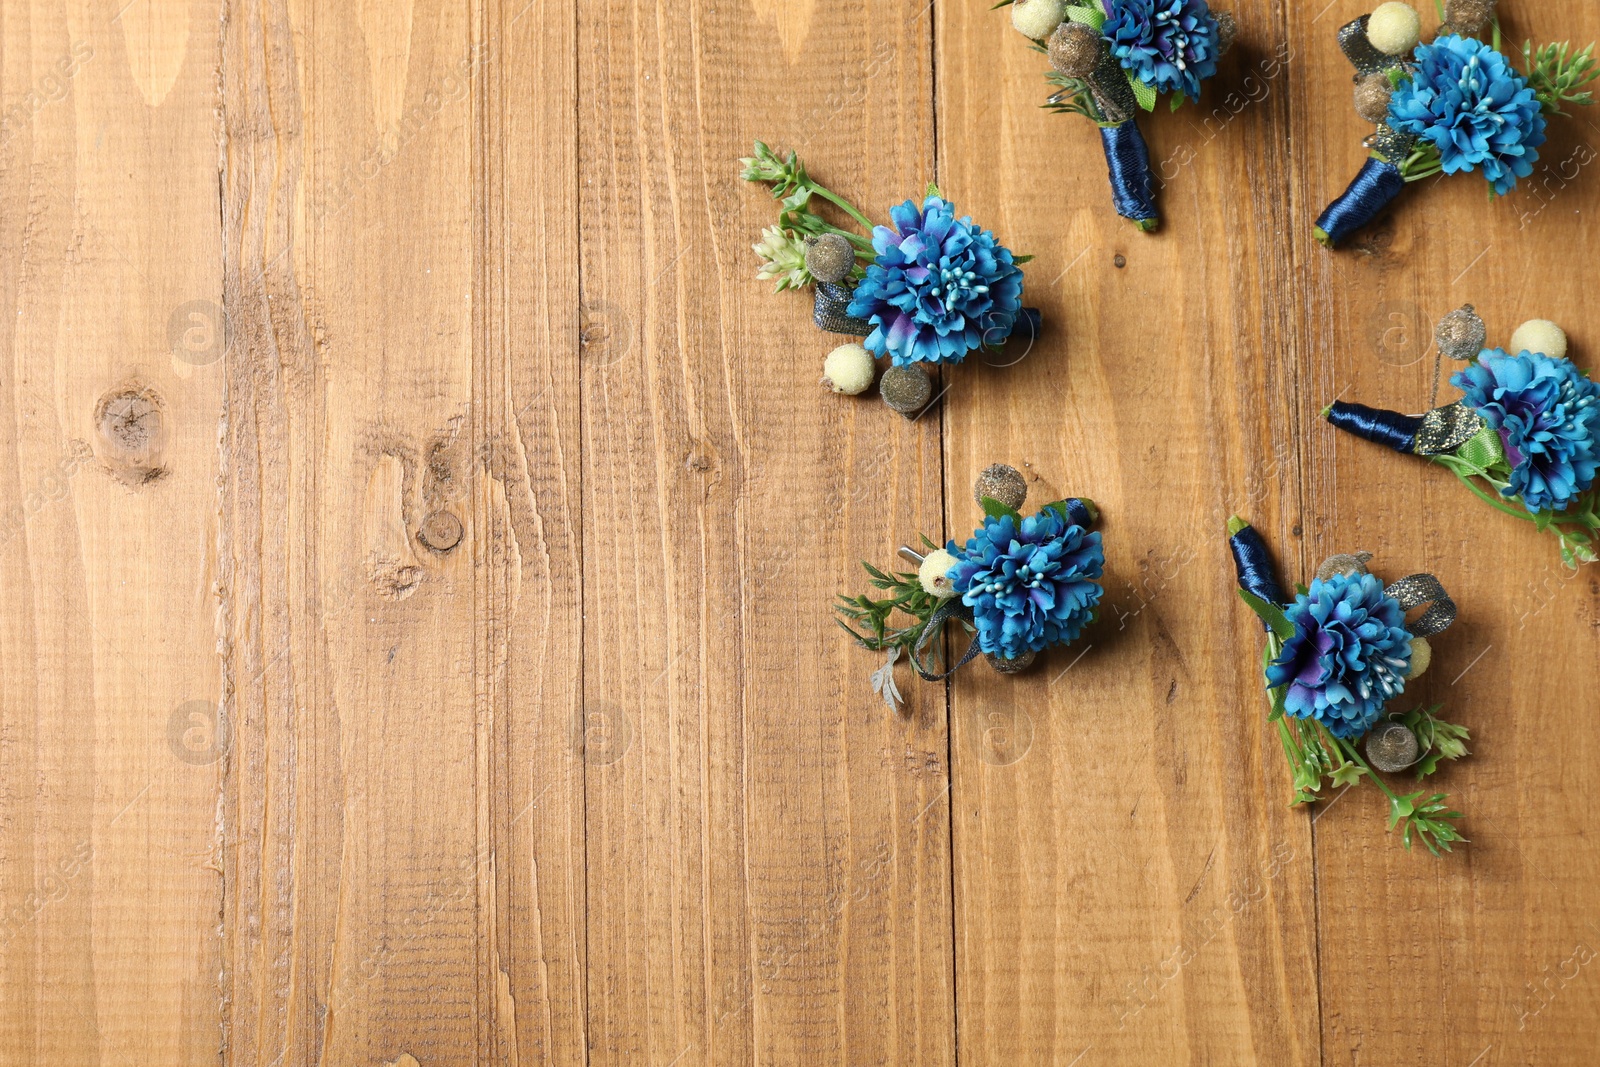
{"points": [[361, 885], [420, 526], [1478, 959], [768, 866], [1129, 887], [108, 471]]}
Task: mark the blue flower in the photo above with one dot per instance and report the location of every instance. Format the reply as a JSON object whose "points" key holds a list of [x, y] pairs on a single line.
{"points": [[1472, 105], [1349, 654], [1546, 413], [939, 288], [1170, 45], [1029, 584]]}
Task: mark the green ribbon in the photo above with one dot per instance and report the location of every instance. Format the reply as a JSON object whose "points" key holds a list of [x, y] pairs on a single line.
{"points": [[1484, 450]]}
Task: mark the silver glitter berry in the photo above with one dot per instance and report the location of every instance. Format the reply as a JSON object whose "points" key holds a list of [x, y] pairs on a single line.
{"points": [[1002, 665], [1002, 483], [1343, 563], [1075, 50], [906, 389], [1392, 747], [829, 257], [1372, 98], [1227, 31], [1468, 16], [1461, 334]]}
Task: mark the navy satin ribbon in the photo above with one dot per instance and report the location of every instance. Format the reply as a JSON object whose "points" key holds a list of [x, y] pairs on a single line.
{"points": [[1031, 319], [1078, 513], [1390, 428], [1254, 566], [1373, 190], [1128, 159]]}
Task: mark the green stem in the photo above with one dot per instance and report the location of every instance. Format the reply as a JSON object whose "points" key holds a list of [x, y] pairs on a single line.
{"points": [[1498, 504], [1355, 757], [843, 205]]}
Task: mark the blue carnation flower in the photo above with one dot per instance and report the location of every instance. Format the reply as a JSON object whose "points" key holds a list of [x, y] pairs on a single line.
{"points": [[1030, 584], [1349, 654], [1472, 104], [939, 288], [1170, 45], [1546, 413]]}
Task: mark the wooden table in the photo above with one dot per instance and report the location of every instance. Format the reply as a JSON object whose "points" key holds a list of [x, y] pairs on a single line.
{"points": [[420, 531]]}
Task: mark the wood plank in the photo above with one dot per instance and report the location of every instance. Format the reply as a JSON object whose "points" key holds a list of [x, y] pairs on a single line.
{"points": [[531, 620], [1129, 886], [768, 850], [109, 243], [361, 884], [1476, 958]]}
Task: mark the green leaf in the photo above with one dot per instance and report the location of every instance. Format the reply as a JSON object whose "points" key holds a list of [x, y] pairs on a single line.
{"points": [[1270, 614], [1146, 95], [1019, 260], [933, 190], [1401, 808], [994, 509], [1279, 697], [1090, 16], [1349, 774], [1177, 100]]}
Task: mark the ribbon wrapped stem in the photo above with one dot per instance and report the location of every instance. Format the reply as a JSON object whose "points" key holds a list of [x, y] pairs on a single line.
{"points": [[1390, 428], [1132, 183], [1373, 189], [1253, 564]]}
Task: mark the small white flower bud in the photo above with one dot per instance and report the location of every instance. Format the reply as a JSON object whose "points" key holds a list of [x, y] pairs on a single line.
{"points": [[1394, 28], [1540, 335], [1037, 19], [1421, 658], [848, 369], [934, 574]]}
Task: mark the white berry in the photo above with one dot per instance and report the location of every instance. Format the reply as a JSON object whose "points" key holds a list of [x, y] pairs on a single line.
{"points": [[1394, 28], [848, 369], [1038, 19], [1421, 657], [1540, 335], [934, 574]]}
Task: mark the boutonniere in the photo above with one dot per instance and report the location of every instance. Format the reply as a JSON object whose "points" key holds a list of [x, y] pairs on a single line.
{"points": [[1110, 59], [1019, 585], [1337, 653], [1457, 104], [926, 290], [1522, 436]]}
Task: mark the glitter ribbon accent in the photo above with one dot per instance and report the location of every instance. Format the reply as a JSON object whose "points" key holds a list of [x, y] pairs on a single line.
{"points": [[1111, 91], [1373, 189], [1358, 49], [1128, 159], [1447, 429], [949, 608], [831, 313], [1415, 590]]}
